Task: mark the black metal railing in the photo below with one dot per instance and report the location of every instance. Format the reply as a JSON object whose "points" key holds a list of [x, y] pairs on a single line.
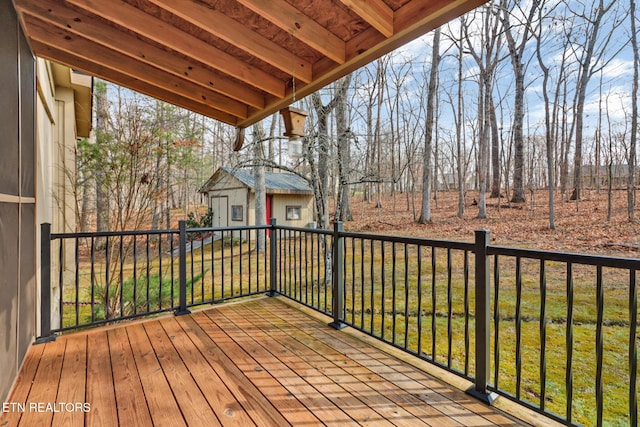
{"points": [[555, 332], [565, 334], [108, 276]]}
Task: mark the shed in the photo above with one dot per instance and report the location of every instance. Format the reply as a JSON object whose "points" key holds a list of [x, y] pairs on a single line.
{"points": [[230, 194]]}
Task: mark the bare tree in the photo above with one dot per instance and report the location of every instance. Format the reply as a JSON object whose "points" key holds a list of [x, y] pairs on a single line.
{"points": [[589, 60], [343, 209], [631, 181], [516, 53], [260, 190], [548, 131], [102, 114], [487, 60], [321, 184], [427, 173]]}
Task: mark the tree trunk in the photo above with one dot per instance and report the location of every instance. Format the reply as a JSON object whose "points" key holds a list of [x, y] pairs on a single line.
{"points": [[343, 208], [548, 131], [495, 151], [427, 173], [586, 71], [516, 53], [260, 190], [631, 179], [459, 140], [102, 201]]}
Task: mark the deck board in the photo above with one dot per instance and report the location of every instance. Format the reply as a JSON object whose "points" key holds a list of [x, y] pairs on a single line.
{"points": [[260, 362], [163, 408], [72, 381], [132, 406], [100, 392]]}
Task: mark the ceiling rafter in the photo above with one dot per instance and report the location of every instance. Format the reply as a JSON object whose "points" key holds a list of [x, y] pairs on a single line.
{"points": [[375, 12], [233, 32], [300, 26], [237, 61], [100, 33], [114, 75], [67, 41], [155, 29]]}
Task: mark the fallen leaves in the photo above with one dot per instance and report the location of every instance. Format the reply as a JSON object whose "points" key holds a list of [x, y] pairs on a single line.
{"points": [[580, 227]]}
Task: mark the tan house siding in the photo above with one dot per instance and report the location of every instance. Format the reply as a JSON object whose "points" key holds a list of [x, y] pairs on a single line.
{"points": [[279, 209]]}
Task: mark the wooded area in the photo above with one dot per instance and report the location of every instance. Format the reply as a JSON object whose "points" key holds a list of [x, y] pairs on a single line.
{"points": [[511, 98]]}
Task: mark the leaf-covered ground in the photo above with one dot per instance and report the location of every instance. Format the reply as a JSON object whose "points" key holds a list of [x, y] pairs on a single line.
{"points": [[580, 226]]}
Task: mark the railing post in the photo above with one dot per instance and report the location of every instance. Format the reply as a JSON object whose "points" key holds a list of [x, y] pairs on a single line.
{"points": [[182, 272], [337, 283], [45, 284], [273, 259], [482, 312]]}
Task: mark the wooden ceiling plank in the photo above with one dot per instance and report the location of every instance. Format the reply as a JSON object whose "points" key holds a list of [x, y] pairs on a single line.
{"points": [[233, 32], [98, 32], [374, 12], [414, 19], [110, 74], [53, 35], [303, 28], [136, 20]]}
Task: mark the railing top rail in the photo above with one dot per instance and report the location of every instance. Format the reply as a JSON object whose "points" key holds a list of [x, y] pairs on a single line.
{"points": [[151, 232], [55, 236], [574, 258], [304, 229], [449, 244], [239, 228]]}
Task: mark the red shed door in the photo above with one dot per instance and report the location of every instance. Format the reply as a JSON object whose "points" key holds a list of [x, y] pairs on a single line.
{"points": [[269, 203]]}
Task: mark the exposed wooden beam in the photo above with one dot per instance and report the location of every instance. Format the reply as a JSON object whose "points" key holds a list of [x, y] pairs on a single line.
{"points": [[99, 32], [374, 12], [48, 34], [235, 33], [300, 26], [115, 76], [162, 32], [413, 20]]}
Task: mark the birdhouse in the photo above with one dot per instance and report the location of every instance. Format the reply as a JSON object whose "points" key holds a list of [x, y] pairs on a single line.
{"points": [[293, 121]]}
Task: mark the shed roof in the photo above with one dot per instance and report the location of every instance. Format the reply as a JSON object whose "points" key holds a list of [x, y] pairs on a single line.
{"points": [[275, 182]]}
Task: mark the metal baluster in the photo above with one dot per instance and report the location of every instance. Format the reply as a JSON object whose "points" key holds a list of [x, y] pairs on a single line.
{"points": [[543, 334], [393, 289], [406, 297], [633, 348], [362, 292], [496, 321], [518, 326], [599, 344], [449, 309], [77, 278], [135, 276], [467, 338], [419, 290], [93, 279], [433, 303], [569, 344]]}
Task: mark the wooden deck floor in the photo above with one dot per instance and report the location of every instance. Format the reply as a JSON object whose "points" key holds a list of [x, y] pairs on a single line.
{"points": [[260, 362]]}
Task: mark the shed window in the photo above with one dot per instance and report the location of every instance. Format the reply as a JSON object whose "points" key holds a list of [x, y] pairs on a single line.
{"points": [[236, 213], [294, 213]]}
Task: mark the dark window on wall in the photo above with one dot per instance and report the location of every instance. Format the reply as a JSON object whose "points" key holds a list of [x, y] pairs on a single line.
{"points": [[294, 213], [236, 213]]}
